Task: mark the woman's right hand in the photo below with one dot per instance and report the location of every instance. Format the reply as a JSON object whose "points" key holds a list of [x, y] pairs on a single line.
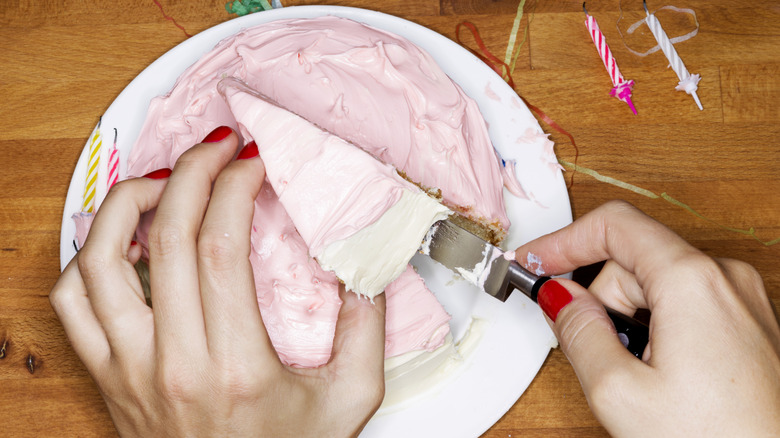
{"points": [[201, 362], [712, 366]]}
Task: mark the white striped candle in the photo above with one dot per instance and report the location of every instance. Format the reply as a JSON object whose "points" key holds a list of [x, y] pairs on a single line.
{"points": [[688, 82]]}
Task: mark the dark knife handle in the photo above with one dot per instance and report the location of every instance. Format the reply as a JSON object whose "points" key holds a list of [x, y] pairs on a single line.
{"points": [[633, 334]]}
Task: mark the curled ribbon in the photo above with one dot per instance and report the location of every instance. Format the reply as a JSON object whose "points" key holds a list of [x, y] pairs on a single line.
{"points": [[171, 19], [503, 69], [487, 57], [675, 40]]}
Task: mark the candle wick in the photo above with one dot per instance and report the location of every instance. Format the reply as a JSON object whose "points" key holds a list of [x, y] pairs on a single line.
{"points": [[644, 4], [115, 136], [583, 8]]}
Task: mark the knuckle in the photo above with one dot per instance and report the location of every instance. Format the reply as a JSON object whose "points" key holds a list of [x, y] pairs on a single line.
{"points": [[92, 261], [60, 298], [373, 395], [64, 298], [231, 176], [364, 394], [364, 389], [703, 267], [166, 237], [195, 161], [609, 389], [128, 383], [218, 250], [740, 270], [63, 293], [121, 189], [572, 327], [719, 283], [237, 382], [620, 211], [176, 384], [620, 207], [189, 160]]}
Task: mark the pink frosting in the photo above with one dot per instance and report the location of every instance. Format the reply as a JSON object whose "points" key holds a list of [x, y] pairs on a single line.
{"points": [[367, 86], [323, 213], [298, 300], [83, 223], [407, 327], [370, 87]]}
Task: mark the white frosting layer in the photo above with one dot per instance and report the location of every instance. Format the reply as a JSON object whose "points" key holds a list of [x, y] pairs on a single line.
{"points": [[389, 244]]}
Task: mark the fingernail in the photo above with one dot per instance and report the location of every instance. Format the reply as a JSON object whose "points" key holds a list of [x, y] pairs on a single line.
{"points": [[159, 174], [218, 134], [552, 298], [249, 151]]}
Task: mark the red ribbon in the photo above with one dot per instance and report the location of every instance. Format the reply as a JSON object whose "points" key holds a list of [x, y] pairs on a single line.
{"points": [[491, 60], [504, 71], [171, 19]]}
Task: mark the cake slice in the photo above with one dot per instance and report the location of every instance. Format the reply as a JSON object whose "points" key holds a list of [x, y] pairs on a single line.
{"points": [[348, 206], [383, 94], [299, 301]]}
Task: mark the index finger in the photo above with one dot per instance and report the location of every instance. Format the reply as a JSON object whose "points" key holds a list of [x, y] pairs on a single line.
{"points": [[173, 263], [233, 322], [615, 231]]}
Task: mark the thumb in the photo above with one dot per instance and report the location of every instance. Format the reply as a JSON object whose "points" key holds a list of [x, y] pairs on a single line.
{"points": [[587, 338], [359, 342], [358, 358]]}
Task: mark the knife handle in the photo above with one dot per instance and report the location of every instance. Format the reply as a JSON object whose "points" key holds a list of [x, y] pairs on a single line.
{"points": [[633, 334]]}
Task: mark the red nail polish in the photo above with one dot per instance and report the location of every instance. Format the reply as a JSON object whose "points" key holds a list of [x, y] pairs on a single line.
{"points": [[133, 243], [249, 151], [552, 298], [159, 174], [218, 134]]}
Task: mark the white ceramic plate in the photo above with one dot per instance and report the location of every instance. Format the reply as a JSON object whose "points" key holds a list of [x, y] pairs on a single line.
{"points": [[515, 338]]}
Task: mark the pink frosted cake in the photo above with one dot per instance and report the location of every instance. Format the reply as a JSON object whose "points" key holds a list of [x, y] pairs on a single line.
{"points": [[358, 216], [372, 89]]}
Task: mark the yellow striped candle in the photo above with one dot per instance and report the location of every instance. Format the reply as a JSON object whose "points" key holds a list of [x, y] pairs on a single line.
{"points": [[95, 145]]}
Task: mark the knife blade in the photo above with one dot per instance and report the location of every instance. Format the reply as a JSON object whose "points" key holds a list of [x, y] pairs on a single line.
{"points": [[487, 267]]}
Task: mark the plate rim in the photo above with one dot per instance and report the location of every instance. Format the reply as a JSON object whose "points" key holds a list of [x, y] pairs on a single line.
{"points": [[199, 45]]}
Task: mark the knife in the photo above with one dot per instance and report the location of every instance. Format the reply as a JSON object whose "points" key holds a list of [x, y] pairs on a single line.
{"points": [[485, 266]]}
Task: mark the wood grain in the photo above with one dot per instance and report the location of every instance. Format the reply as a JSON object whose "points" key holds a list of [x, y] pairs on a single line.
{"points": [[64, 62]]}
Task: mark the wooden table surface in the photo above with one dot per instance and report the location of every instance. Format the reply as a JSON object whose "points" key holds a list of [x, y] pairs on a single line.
{"points": [[63, 62]]}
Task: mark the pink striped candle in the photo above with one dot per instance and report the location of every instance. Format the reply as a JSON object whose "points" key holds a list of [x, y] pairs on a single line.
{"points": [[113, 163], [622, 88]]}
